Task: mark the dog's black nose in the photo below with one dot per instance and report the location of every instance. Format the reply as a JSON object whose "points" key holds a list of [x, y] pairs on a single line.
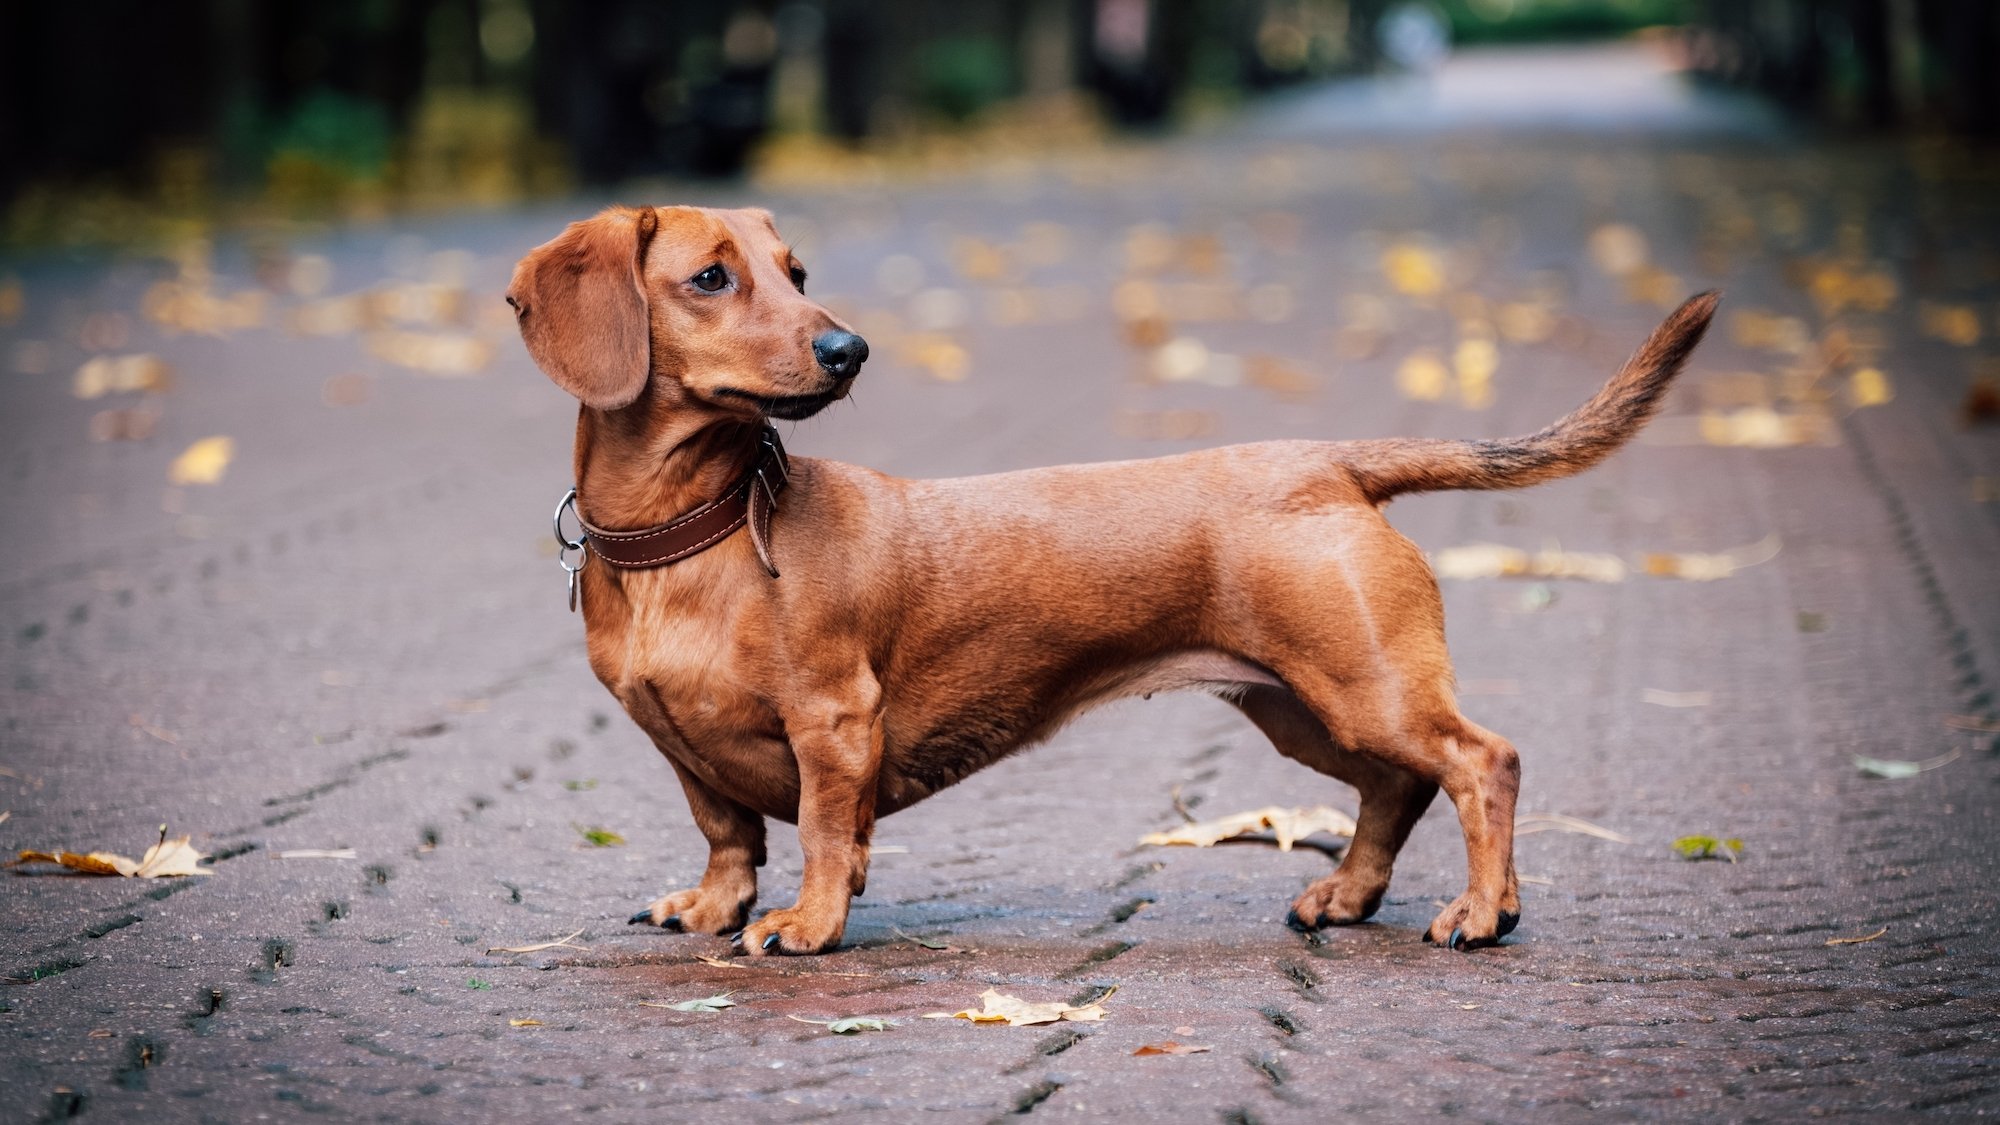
{"points": [[841, 353]]}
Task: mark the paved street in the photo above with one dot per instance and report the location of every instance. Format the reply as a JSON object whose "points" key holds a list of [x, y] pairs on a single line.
{"points": [[355, 638]]}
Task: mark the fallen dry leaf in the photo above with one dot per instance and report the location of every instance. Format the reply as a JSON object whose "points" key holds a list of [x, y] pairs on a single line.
{"points": [[1618, 248], [848, 1025], [1488, 560], [1857, 940], [204, 462], [133, 424], [1527, 824], [1015, 1012], [109, 374], [935, 946], [162, 860], [1708, 568], [1897, 769], [717, 962], [1414, 270], [562, 942], [1170, 1047], [1760, 427], [705, 1004], [188, 305], [1869, 387], [1422, 376], [1288, 825], [434, 353], [1954, 324], [522, 1023]]}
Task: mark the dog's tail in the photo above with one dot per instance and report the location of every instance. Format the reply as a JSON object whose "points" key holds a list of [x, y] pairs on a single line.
{"points": [[1591, 433]]}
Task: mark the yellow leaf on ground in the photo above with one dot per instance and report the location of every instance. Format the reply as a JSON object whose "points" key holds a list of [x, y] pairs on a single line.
{"points": [[1618, 248], [1413, 270], [204, 462], [1869, 387], [1488, 560], [108, 374], [524, 1023], [998, 1007], [164, 859], [1288, 825], [171, 857], [1170, 1048], [1954, 324], [1760, 427], [1708, 568], [434, 353], [96, 863], [1422, 376]]}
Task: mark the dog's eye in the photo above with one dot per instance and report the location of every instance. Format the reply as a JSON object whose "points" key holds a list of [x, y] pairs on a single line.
{"points": [[711, 279], [799, 278]]}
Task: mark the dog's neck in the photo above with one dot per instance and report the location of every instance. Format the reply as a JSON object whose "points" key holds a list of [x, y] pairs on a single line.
{"points": [[634, 470]]}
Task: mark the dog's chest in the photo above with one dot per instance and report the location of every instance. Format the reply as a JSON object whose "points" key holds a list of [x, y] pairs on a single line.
{"points": [[693, 688]]}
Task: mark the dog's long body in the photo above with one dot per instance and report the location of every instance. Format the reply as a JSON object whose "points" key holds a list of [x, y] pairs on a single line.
{"points": [[922, 630]]}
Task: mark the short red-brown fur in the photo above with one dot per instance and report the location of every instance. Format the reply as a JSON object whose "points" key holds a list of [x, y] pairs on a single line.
{"points": [[924, 629]]}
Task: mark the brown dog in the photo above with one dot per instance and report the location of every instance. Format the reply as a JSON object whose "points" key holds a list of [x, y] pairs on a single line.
{"points": [[925, 629]]}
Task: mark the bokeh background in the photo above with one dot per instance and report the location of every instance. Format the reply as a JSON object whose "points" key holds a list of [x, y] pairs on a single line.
{"points": [[123, 121]]}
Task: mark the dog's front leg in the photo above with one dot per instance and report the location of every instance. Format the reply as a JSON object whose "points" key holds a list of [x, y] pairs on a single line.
{"points": [[735, 851], [839, 752]]}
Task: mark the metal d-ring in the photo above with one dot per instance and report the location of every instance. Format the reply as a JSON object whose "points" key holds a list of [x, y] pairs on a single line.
{"points": [[564, 544], [569, 505]]}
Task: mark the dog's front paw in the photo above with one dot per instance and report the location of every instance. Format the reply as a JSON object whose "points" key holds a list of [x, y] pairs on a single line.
{"points": [[697, 911], [1469, 923], [792, 930]]}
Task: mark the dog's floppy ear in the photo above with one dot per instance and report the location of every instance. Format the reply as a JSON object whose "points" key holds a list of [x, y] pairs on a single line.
{"points": [[580, 300]]}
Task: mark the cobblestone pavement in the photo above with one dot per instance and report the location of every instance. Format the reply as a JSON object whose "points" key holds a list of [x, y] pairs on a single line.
{"points": [[356, 640]]}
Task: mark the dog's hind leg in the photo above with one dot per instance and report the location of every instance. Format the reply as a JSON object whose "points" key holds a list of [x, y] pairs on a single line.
{"points": [[735, 850], [1482, 775], [1392, 799], [1411, 724]]}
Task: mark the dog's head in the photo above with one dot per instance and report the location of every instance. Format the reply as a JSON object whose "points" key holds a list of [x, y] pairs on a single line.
{"points": [[702, 305]]}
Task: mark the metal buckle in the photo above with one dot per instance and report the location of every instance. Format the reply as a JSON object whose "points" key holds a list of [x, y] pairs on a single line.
{"points": [[564, 544], [778, 458]]}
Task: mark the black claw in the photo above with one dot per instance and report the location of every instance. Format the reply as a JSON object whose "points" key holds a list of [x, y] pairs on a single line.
{"points": [[1293, 920], [643, 916], [673, 923], [770, 941], [1456, 940], [1428, 939], [1508, 920], [736, 939]]}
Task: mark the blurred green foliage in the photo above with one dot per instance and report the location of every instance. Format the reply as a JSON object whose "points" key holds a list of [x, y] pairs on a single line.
{"points": [[1520, 21], [961, 75]]}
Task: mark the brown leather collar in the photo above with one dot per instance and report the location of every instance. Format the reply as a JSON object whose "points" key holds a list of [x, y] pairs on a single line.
{"points": [[749, 501]]}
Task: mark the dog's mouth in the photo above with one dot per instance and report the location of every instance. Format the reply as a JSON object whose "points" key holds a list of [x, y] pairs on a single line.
{"points": [[790, 408]]}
